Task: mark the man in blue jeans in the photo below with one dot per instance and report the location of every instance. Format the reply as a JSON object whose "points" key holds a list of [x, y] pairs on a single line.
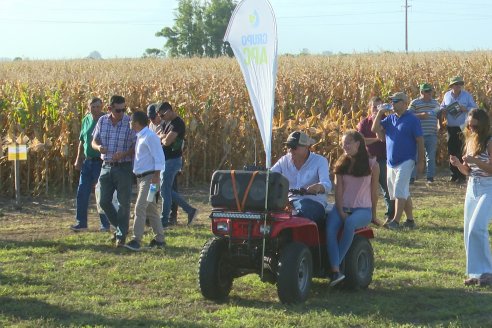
{"points": [[172, 139], [89, 163], [305, 169], [427, 110], [114, 139]]}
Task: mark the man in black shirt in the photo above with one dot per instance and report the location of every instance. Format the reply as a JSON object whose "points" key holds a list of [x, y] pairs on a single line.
{"points": [[172, 138]]}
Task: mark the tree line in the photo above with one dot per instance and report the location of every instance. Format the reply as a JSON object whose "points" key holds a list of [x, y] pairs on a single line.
{"points": [[198, 31]]}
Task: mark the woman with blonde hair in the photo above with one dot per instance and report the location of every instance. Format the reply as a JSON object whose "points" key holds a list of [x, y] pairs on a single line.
{"points": [[477, 165]]}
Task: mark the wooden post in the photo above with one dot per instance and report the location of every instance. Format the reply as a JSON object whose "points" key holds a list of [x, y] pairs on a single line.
{"points": [[17, 182]]}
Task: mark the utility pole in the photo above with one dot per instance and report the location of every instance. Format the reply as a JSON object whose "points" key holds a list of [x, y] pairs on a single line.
{"points": [[406, 26]]}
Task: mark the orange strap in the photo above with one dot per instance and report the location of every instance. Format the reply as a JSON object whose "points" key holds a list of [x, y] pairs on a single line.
{"points": [[234, 189], [248, 188], [240, 206]]}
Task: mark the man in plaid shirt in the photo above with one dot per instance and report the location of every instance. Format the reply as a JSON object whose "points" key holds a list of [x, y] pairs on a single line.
{"points": [[114, 139]]}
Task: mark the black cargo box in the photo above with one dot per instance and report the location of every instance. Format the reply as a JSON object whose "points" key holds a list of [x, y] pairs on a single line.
{"points": [[222, 191]]}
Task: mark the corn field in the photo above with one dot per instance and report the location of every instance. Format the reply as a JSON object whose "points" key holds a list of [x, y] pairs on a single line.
{"points": [[42, 104]]}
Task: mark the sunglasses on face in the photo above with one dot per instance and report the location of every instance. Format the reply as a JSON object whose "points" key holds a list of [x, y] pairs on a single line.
{"points": [[118, 110]]}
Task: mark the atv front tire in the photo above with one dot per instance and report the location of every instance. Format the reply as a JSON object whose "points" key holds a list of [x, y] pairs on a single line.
{"points": [[215, 272], [295, 271]]}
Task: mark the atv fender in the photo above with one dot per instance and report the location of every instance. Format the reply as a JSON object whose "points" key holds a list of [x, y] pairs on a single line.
{"points": [[302, 230]]}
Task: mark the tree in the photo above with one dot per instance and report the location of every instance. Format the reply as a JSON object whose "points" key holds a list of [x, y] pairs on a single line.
{"points": [[198, 29], [217, 16], [153, 53], [94, 55]]}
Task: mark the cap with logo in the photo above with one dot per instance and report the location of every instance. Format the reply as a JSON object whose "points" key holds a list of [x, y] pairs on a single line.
{"points": [[298, 138]]}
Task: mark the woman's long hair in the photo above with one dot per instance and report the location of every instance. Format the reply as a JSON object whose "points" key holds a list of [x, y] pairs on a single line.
{"points": [[476, 140], [357, 165]]}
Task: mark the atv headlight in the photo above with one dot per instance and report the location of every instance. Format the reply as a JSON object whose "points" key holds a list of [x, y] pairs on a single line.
{"points": [[265, 229], [222, 227]]}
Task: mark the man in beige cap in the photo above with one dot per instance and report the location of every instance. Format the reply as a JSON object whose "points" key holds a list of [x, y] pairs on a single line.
{"points": [[455, 106], [403, 134], [305, 169]]}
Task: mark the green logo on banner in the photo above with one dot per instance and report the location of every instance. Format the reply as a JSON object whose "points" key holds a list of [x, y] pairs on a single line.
{"points": [[254, 47]]}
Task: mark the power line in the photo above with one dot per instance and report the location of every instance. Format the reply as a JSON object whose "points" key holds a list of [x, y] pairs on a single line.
{"points": [[406, 26], [337, 15], [79, 22], [362, 23]]}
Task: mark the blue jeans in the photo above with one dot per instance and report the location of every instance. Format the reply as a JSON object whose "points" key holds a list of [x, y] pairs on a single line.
{"points": [[168, 195], [430, 144], [390, 204], [477, 216], [310, 209], [89, 173], [119, 178], [337, 249]]}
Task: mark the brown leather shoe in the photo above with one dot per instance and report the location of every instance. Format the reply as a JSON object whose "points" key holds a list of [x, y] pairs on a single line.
{"points": [[471, 282], [485, 279]]}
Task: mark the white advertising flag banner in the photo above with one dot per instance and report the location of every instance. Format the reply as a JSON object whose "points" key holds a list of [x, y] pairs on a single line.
{"points": [[252, 34]]}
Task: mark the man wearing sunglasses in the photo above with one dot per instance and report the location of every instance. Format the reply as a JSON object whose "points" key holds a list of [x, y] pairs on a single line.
{"points": [[114, 139], [157, 125], [172, 139], [427, 111], [403, 134], [456, 120], [305, 169]]}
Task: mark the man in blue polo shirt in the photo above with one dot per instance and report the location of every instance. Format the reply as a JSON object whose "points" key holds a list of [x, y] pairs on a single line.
{"points": [[403, 133]]}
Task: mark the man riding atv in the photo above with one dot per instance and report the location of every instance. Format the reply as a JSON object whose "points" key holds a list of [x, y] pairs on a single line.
{"points": [[305, 169], [283, 246]]}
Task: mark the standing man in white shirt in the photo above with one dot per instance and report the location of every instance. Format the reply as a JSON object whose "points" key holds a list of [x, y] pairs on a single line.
{"points": [[148, 163], [305, 169]]}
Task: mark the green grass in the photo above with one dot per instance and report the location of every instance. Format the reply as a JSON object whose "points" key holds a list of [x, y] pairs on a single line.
{"points": [[50, 277]]}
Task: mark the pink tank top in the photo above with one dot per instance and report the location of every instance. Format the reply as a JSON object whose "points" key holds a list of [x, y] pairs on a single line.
{"points": [[357, 190]]}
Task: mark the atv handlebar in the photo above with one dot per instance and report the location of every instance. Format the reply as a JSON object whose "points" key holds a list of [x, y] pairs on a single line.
{"points": [[301, 192]]}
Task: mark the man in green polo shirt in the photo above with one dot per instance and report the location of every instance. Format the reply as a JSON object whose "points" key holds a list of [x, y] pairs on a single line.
{"points": [[89, 163]]}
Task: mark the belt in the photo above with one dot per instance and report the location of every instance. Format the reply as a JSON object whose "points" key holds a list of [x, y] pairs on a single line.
{"points": [[115, 163], [95, 159], [141, 175]]}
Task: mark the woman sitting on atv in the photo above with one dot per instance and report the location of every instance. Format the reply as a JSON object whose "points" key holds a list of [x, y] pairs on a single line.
{"points": [[356, 194]]}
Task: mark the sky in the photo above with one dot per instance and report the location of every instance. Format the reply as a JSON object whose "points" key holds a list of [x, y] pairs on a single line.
{"points": [[67, 29]]}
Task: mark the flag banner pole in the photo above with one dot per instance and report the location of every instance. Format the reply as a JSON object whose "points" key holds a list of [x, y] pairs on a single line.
{"points": [[252, 34]]}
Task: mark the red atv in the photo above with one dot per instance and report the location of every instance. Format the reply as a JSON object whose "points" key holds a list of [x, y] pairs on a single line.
{"points": [[283, 248]]}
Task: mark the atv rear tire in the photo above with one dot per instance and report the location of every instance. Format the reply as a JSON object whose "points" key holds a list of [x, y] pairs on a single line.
{"points": [[215, 273], [295, 271], [359, 264]]}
